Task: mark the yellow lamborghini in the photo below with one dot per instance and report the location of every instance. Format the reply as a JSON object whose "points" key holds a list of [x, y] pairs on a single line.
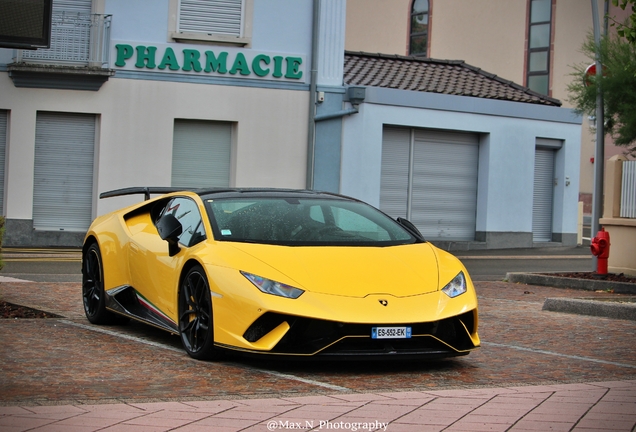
{"points": [[292, 273]]}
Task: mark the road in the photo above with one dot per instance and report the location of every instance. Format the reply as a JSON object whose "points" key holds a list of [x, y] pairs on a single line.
{"points": [[64, 265]]}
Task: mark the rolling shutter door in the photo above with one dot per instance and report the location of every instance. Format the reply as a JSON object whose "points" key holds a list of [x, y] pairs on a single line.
{"points": [[201, 154], [211, 16], [63, 178], [542, 195], [444, 198], [433, 181], [3, 150], [394, 183]]}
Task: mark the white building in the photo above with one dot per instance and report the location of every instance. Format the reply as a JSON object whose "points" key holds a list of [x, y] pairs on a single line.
{"points": [[190, 93]]}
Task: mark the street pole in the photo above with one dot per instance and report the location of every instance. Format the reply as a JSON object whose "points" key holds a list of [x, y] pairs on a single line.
{"points": [[599, 157]]}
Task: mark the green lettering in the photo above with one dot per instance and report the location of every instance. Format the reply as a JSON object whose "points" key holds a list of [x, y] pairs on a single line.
{"points": [[191, 60], [124, 52], [146, 57], [169, 60], [293, 67], [256, 65], [278, 67], [214, 64], [240, 64]]}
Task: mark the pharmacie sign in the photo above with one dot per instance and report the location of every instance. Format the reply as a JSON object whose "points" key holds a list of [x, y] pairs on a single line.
{"points": [[213, 61]]}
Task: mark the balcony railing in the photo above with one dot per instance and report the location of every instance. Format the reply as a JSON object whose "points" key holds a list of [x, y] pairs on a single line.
{"points": [[76, 40]]}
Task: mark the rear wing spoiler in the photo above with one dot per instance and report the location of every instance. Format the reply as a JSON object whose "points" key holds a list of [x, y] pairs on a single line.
{"points": [[146, 191]]}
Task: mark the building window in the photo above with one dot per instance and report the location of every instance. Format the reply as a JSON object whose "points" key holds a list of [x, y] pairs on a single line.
{"points": [[226, 21], [539, 36], [419, 28]]}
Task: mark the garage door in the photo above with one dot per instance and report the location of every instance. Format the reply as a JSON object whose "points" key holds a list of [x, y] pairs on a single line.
{"points": [[201, 153], [63, 177], [431, 178]]}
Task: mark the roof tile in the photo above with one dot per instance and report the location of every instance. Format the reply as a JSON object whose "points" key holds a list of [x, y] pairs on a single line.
{"points": [[435, 76]]}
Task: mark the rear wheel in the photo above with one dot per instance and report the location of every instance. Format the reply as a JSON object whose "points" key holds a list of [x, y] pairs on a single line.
{"points": [[93, 288], [195, 315]]}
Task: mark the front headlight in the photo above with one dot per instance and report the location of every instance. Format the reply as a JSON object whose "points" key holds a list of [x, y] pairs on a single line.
{"points": [[456, 287], [269, 286]]}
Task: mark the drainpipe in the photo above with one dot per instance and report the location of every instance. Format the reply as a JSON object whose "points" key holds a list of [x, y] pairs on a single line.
{"points": [[336, 114], [311, 138], [355, 96]]}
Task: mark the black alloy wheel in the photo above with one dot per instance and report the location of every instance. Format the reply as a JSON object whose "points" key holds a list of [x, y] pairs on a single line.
{"points": [[195, 315], [93, 287]]}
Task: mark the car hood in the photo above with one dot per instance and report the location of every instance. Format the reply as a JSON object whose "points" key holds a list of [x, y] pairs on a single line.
{"points": [[348, 271]]}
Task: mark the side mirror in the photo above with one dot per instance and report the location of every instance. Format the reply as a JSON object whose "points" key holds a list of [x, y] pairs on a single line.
{"points": [[170, 229], [411, 228]]}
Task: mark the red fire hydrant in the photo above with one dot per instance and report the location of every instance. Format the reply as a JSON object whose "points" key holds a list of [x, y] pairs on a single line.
{"points": [[600, 248]]}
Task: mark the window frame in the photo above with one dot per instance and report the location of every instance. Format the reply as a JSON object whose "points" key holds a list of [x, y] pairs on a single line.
{"points": [[425, 33], [547, 72], [244, 40]]}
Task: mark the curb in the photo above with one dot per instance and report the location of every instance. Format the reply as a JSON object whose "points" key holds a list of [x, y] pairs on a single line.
{"points": [[625, 309], [564, 282], [607, 309]]}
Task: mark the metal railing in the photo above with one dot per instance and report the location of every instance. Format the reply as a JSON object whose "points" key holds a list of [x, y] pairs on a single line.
{"points": [[76, 39], [628, 190]]}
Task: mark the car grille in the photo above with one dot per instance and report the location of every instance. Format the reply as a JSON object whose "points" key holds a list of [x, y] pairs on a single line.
{"points": [[450, 336]]}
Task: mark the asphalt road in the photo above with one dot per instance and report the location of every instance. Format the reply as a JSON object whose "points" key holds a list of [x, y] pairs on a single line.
{"points": [[64, 265]]}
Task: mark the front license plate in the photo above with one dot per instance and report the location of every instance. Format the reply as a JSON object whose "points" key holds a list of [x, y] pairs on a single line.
{"points": [[391, 332]]}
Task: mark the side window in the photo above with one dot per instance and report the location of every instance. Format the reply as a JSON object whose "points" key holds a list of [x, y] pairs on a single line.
{"points": [[187, 212]]}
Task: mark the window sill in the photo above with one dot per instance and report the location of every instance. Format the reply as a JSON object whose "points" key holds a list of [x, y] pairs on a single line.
{"points": [[203, 37]]}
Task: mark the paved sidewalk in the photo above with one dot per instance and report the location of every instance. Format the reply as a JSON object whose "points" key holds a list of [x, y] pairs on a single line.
{"points": [[593, 407]]}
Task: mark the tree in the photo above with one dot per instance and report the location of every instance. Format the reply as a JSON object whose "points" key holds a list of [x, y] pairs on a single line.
{"points": [[618, 86], [628, 28]]}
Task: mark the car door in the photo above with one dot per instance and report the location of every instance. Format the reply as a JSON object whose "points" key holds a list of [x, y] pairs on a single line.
{"points": [[154, 273]]}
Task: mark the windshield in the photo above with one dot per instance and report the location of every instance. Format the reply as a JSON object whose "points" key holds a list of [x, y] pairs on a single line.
{"points": [[303, 221]]}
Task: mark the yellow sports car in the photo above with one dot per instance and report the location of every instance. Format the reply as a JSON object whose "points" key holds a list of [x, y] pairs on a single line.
{"points": [[292, 273]]}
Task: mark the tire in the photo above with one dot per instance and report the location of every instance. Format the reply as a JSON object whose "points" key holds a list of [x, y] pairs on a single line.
{"points": [[196, 326], [94, 297]]}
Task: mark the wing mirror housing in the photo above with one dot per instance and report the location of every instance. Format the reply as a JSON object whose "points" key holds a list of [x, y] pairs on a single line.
{"points": [[170, 229]]}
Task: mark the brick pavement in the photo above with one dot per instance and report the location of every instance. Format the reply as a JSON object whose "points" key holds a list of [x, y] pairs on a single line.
{"points": [[536, 370]]}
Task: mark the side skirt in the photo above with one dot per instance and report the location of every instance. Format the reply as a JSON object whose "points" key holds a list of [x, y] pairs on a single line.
{"points": [[125, 300]]}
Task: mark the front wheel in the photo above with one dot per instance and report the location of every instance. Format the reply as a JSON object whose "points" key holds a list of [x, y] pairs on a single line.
{"points": [[196, 326], [94, 297]]}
